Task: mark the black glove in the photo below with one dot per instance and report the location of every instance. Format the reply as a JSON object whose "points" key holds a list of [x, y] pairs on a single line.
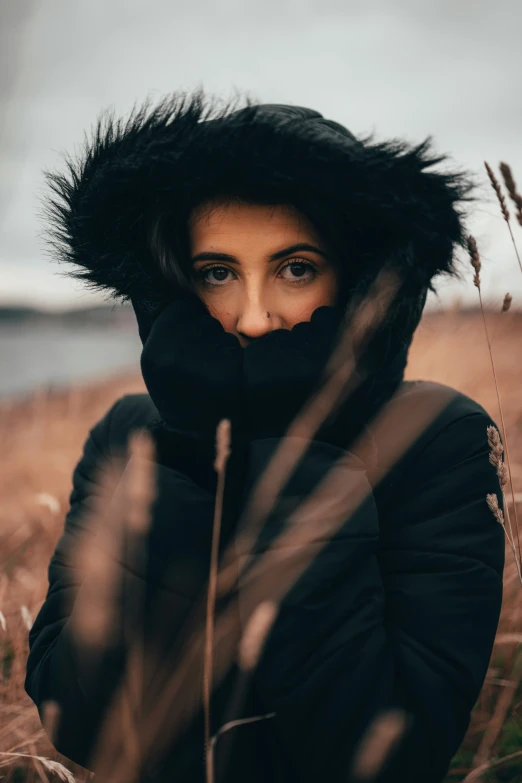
{"points": [[283, 368], [146, 312], [193, 372]]}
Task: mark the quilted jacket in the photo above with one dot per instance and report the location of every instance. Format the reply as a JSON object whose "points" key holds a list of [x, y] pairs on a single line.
{"points": [[392, 604]]}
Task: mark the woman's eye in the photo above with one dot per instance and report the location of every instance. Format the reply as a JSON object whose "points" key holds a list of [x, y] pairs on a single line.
{"points": [[295, 272], [214, 275], [298, 271]]}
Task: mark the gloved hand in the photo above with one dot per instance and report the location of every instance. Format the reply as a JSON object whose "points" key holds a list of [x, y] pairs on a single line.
{"points": [[283, 368], [193, 371], [146, 312]]}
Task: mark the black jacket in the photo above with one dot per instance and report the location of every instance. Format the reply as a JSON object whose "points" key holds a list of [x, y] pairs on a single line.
{"points": [[399, 609]]}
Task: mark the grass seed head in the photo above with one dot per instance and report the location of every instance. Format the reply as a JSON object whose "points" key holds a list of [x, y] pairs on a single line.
{"points": [[378, 742], [506, 304], [26, 617], [511, 188], [223, 437], [474, 259], [496, 187], [492, 502], [255, 634], [495, 456], [495, 442]]}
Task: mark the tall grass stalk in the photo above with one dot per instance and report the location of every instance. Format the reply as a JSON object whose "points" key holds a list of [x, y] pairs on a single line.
{"points": [[118, 518], [380, 738], [139, 496], [498, 718], [476, 264], [506, 306], [509, 182], [222, 455], [495, 457], [235, 723], [495, 184], [249, 651], [8, 759], [477, 773]]}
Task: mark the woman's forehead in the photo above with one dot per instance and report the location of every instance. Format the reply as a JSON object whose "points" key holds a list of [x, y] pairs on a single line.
{"points": [[221, 217]]}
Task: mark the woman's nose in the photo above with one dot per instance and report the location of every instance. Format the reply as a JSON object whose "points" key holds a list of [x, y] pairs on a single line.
{"points": [[255, 320]]}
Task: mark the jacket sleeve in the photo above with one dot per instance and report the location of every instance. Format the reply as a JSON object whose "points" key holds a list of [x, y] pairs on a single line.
{"points": [[57, 670], [399, 611]]}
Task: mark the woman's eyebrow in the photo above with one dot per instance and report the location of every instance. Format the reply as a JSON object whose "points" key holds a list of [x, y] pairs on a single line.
{"points": [[213, 256]]}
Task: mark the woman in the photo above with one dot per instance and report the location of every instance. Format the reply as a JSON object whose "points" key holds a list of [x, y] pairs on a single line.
{"points": [[249, 243]]}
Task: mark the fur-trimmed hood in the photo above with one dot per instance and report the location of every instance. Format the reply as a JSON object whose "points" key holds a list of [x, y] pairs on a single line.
{"points": [[373, 201]]}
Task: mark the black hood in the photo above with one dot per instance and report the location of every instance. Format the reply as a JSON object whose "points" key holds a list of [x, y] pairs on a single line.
{"points": [[375, 203], [377, 200]]}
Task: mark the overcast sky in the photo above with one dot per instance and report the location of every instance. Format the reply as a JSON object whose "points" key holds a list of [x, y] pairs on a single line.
{"points": [[405, 68]]}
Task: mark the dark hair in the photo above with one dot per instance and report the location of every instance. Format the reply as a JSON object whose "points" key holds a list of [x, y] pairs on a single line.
{"points": [[170, 250]]}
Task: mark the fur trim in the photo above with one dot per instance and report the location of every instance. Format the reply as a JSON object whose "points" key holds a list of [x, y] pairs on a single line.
{"points": [[378, 200]]}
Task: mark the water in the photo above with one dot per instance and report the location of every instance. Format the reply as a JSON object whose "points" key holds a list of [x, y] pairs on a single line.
{"points": [[57, 354]]}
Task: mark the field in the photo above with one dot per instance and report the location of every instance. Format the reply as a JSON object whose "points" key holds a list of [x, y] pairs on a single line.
{"points": [[42, 437]]}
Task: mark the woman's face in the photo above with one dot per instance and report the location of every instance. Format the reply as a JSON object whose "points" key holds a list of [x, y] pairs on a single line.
{"points": [[253, 259]]}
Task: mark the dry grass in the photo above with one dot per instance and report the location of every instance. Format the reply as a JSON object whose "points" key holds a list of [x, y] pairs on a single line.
{"points": [[42, 439]]}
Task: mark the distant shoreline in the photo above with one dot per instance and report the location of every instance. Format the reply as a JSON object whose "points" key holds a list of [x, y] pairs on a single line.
{"points": [[123, 314]]}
